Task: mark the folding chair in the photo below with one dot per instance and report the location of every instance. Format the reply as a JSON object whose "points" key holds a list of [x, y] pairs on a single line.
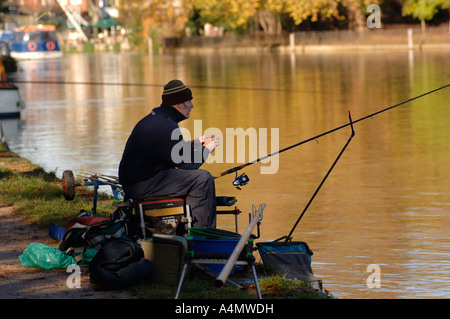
{"points": [[162, 215]]}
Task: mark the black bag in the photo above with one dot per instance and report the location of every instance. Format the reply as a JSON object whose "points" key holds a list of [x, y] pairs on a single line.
{"points": [[118, 264], [87, 231]]}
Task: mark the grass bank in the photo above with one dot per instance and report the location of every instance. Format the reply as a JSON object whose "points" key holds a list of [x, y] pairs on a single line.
{"points": [[38, 197]]}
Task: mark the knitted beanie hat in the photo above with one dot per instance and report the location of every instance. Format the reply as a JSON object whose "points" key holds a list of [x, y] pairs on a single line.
{"points": [[175, 92]]}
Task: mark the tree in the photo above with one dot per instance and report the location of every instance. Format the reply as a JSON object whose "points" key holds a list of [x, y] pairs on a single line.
{"points": [[356, 10], [301, 10], [229, 14], [268, 15], [446, 5], [270, 11], [95, 14], [310, 9], [423, 9], [169, 16]]}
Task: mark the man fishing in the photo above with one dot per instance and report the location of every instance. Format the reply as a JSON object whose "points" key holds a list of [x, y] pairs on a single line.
{"points": [[158, 162]]}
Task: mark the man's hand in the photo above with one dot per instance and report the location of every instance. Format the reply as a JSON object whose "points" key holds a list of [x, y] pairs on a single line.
{"points": [[209, 141]]}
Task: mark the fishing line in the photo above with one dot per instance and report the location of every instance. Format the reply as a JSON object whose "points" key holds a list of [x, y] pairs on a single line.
{"points": [[237, 168], [217, 87]]}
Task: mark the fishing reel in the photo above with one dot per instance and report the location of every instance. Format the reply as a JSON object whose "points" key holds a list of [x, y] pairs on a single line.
{"points": [[240, 180]]}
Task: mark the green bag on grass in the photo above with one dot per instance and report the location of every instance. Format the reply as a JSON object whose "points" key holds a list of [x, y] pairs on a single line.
{"points": [[46, 257]]}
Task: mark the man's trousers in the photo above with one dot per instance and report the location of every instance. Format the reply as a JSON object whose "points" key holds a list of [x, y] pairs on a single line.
{"points": [[196, 185]]}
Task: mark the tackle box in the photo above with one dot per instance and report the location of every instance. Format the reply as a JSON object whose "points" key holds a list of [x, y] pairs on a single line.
{"points": [[167, 253]]}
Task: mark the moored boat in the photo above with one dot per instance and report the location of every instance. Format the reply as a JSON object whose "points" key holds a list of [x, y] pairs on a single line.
{"points": [[35, 42], [11, 104], [9, 62]]}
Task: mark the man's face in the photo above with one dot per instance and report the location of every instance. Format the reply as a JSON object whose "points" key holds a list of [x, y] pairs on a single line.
{"points": [[185, 108]]}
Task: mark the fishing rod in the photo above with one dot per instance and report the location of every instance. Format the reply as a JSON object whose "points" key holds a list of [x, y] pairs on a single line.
{"points": [[243, 179]]}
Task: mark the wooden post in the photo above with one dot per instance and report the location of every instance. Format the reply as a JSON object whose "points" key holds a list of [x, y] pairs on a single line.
{"points": [[292, 41], [410, 39]]}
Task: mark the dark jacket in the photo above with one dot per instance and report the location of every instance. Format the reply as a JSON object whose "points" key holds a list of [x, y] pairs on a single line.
{"points": [[149, 147]]}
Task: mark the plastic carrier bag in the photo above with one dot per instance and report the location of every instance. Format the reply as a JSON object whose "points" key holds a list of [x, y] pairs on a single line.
{"points": [[46, 257]]}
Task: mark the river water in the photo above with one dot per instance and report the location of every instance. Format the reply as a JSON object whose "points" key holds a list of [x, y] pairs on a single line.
{"points": [[387, 201]]}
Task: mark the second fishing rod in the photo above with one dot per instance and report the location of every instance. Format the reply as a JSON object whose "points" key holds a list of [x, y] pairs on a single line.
{"points": [[243, 179]]}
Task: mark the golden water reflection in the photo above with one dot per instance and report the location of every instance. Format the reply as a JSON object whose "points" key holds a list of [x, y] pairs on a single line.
{"points": [[385, 203]]}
